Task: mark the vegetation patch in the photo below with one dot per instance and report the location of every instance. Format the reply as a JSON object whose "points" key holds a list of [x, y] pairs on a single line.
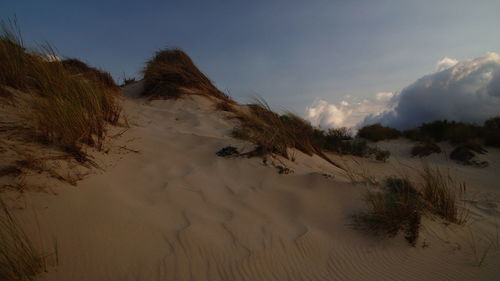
{"points": [[19, 258], [228, 151], [274, 133], [224, 106], [127, 81], [396, 208], [60, 105], [442, 194], [284, 170], [466, 154], [400, 204], [378, 132], [425, 148], [171, 72], [492, 132]]}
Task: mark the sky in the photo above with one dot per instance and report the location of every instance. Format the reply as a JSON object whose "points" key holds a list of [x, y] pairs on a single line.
{"points": [[297, 55]]}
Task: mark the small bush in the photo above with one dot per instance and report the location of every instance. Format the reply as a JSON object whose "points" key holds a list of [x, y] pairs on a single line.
{"points": [[378, 132], [425, 148], [381, 155], [171, 71], [334, 139], [342, 143], [492, 132], [455, 132], [356, 147], [466, 153], [413, 134]]}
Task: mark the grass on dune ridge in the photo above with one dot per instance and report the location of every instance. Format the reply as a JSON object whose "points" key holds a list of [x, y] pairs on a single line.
{"points": [[67, 106], [274, 133], [171, 71]]}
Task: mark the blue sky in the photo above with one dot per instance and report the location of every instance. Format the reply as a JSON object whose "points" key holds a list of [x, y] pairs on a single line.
{"points": [[289, 52]]}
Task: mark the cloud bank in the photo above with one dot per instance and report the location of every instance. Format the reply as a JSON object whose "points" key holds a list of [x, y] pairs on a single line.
{"points": [[349, 112], [463, 91]]}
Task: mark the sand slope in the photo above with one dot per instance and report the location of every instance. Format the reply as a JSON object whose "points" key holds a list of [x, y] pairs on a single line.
{"points": [[176, 211]]}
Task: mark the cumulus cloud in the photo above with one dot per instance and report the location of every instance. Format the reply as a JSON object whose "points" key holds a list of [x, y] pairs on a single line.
{"points": [[445, 63], [349, 112], [463, 91], [468, 91]]}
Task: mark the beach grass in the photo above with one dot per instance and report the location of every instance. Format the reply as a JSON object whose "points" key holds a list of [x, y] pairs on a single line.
{"points": [[63, 106]]}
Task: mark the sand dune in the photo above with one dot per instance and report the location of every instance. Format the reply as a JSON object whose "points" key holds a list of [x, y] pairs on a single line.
{"points": [[173, 210]]}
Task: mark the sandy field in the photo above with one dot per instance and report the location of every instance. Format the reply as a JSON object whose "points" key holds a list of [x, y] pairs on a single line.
{"points": [[164, 206]]}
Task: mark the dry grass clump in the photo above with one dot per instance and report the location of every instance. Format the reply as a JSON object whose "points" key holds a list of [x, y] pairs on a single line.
{"points": [[441, 194], [61, 107], [466, 154], [400, 204], [274, 133], [19, 259], [425, 148], [271, 132], [77, 66], [396, 207], [171, 71], [225, 106]]}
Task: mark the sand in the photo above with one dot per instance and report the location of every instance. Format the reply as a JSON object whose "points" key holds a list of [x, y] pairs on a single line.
{"points": [[165, 207]]}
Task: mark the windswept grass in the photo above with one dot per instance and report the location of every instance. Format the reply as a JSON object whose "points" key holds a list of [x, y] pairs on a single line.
{"points": [[171, 71], [274, 133], [271, 132], [442, 195], [98, 76], [19, 259], [400, 204], [66, 104]]}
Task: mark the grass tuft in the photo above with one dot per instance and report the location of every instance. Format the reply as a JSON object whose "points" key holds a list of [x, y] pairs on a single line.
{"points": [[400, 204], [19, 260], [394, 208], [441, 194]]}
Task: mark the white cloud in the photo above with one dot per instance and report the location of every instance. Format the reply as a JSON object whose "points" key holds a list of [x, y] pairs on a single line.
{"points": [[468, 91], [349, 112], [462, 91], [445, 63]]}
